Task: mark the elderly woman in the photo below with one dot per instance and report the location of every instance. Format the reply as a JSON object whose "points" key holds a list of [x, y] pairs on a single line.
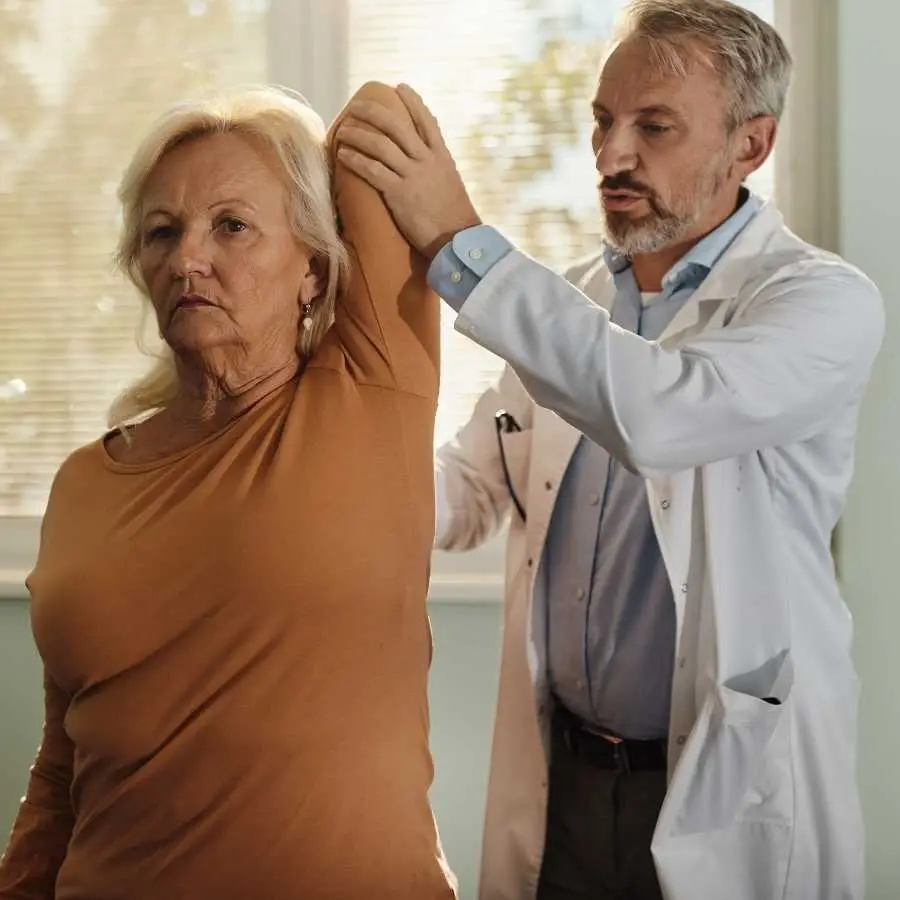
{"points": [[230, 593]]}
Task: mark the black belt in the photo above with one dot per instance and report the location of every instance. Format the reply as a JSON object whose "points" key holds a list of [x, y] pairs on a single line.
{"points": [[613, 754]]}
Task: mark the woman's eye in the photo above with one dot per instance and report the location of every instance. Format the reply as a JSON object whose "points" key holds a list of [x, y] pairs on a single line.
{"points": [[232, 226], [159, 233]]}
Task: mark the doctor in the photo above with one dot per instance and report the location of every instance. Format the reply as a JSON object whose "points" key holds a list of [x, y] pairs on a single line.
{"points": [[677, 711]]}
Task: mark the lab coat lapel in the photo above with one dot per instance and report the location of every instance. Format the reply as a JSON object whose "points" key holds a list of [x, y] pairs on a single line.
{"points": [[727, 278]]}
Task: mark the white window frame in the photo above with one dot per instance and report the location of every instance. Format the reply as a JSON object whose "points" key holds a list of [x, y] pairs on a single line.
{"points": [[308, 42], [806, 165]]}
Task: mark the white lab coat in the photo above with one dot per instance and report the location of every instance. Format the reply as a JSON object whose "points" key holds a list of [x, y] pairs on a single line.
{"points": [[742, 420]]}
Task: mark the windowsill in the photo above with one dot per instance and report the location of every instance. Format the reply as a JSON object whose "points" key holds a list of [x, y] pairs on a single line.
{"points": [[456, 578], [12, 585], [474, 589], [468, 590]]}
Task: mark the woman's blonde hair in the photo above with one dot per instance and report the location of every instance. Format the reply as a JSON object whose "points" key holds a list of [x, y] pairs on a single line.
{"points": [[296, 135]]}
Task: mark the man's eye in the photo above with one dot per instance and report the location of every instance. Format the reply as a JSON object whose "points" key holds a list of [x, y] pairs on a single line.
{"points": [[656, 129], [232, 226], [602, 124]]}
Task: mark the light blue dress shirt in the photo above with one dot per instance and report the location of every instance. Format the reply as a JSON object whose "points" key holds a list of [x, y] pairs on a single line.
{"points": [[611, 622]]}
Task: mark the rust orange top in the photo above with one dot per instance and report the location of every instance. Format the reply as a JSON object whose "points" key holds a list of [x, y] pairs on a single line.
{"points": [[235, 637]]}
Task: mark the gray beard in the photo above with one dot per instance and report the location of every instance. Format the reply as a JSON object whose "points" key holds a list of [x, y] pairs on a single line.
{"points": [[649, 235]]}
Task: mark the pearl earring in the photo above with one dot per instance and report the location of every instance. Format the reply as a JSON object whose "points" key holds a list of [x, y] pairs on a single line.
{"points": [[307, 321]]}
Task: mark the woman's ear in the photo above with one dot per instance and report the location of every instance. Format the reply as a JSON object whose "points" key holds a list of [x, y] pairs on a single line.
{"points": [[315, 280]]}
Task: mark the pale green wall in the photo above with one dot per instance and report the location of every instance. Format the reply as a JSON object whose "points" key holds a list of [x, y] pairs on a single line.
{"points": [[21, 706], [869, 154]]}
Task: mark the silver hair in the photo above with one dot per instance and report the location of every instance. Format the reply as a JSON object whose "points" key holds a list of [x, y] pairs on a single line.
{"points": [[286, 124], [748, 53]]}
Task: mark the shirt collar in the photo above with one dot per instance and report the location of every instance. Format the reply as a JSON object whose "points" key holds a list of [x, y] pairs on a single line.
{"points": [[696, 264]]}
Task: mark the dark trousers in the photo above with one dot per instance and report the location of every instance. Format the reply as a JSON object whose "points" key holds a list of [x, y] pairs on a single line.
{"points": [[599, 827]]}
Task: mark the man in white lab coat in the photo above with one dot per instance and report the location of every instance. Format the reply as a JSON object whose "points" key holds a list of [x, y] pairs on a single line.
{"points": [[677, 711]]}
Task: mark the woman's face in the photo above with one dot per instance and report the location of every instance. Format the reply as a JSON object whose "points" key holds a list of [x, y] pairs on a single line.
{"points": [[223, 268]]}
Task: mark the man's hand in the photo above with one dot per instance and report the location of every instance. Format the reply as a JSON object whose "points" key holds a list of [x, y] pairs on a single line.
{"points": [[412, 169]]}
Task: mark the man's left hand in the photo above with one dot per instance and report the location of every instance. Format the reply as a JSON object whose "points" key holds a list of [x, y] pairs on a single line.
{"points": [[411, 167]]}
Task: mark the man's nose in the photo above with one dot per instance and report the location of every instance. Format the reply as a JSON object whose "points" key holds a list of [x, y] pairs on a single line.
{"points": [[614, 153]]}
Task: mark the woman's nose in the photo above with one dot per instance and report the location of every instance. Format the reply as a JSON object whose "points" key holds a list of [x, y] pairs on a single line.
{"points": [[192, 254]]}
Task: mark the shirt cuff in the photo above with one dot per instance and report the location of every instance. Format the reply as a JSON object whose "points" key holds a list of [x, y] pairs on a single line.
{"points": [[464, 261]]}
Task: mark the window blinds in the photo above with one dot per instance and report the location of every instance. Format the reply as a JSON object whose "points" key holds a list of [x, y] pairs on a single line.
{"points": [[82, 81], [510, 81]]}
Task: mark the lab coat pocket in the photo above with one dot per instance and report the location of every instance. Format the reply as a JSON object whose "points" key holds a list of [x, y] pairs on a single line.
{"points": [[725, 828], [739, 769]]}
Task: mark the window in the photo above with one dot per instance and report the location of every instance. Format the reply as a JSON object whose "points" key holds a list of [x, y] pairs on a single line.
{"points": [[83, 79], [510, 81]]}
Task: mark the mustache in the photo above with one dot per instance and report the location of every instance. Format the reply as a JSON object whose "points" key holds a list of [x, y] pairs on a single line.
{"points": [[624, 182]]}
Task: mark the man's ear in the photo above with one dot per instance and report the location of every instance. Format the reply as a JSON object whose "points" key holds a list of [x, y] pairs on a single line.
{"points": [[755, 143]]}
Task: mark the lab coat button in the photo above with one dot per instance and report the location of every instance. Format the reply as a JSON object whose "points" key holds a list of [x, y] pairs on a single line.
{"points": [[665, 504], [579, 594], [595, 499], [684, 588], [681, 740], [682, 662]]}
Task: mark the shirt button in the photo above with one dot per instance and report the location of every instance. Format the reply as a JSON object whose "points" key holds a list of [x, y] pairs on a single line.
{"points": [[476, 253], [684, 588], [681, 740], [548, 485], [579, 594], [530, 562], [595, 499], [456, 277], [682, 662], [665, 504]]}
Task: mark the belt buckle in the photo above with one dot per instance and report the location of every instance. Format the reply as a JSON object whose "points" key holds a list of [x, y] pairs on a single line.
{"points": [[620, 753]]}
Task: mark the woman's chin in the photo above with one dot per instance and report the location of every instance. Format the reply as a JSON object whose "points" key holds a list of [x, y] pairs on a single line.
{"points": [[194, 333]]}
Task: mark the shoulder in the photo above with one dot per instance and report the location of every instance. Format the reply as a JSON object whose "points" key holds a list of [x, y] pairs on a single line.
{"points": [[790, 288], [801, 268], [774, 263], [86, 459], [77, 477]]}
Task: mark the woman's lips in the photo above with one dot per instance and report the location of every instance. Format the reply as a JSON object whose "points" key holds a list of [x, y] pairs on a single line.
{"points": [[192, 301]]}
